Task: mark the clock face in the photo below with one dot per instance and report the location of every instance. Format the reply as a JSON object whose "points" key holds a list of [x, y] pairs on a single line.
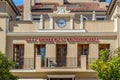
{"points": [[61, 23]]}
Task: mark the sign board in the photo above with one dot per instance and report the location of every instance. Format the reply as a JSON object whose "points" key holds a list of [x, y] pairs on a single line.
{"points": [[62, 39]]}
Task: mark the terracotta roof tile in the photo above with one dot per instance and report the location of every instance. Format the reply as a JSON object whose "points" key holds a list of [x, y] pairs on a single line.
{"points": [[84, 6]]}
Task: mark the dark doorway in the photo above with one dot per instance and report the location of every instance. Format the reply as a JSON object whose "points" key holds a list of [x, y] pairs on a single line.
{"points": [[61, 79], [61, 52]]}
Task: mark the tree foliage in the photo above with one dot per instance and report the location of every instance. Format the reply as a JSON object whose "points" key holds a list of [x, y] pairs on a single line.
{"points": [[107, 66], [5, 66]]}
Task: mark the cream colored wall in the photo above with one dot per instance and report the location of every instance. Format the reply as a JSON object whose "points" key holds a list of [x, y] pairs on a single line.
{"points": [[3, 34], [6, 8], [10, 11], [51, 50], [29, 47], [76, 24], [72, 54], [109, 40], [99, 26], [118, 31], [27, 10], [115, 12], [28, 50], [89, 26], [93, 50], [23, 26], [3, 6], [47, 24]]}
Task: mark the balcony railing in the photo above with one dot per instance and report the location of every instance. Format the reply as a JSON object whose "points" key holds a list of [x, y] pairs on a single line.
{"points": [[60, 62], [53, 62], [24, 63]]}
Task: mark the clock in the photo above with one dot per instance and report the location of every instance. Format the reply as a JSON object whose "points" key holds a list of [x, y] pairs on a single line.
{"points": [[61, 23]]}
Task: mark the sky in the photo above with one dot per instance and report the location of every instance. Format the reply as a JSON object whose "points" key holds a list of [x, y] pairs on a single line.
{"points": [[20, 2]]}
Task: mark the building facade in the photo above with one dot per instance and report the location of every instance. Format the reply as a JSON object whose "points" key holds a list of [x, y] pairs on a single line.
{"points": [[58, 39]]}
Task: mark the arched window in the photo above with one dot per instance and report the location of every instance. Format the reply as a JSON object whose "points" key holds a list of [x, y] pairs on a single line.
{"points": [[85, 18]]}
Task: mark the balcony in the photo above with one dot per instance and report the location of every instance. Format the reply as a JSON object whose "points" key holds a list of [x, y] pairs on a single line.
{"points": [[60, 62], [25, 64], [53, 63]]}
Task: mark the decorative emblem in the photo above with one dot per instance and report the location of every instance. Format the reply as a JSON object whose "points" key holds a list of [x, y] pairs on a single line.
{"points": [[61, 23], [61, 10]]}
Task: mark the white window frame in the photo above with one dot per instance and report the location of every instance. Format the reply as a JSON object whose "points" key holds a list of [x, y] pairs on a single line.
{"points": [[35, 17]]}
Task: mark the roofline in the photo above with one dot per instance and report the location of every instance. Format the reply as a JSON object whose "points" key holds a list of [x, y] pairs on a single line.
{"points": [[14, 7], [110, 8]]}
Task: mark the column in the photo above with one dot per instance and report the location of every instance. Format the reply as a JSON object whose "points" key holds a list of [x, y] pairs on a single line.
{"points": [[83, 62], [7, 24], [71, 22], [81, 22], [41, 22], [30, 16], [38, 63], [93, 16], [51, 23], [27, 10]]}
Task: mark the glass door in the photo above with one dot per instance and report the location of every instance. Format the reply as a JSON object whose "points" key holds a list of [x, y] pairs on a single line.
{"points": [[18, 55], [61, 52]]}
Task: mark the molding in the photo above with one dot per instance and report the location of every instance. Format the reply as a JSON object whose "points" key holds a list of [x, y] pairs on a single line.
{"points": [[52, 31], [61, 76], [96, 34], [22, 70]]}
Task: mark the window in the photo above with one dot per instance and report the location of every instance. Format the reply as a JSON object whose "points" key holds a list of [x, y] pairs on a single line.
{"points": [[83, 49], [100, 17], [104, 46], [85, 18], [36, 18], [102, 0], [18, 18], [18, 55], [40, 50]]}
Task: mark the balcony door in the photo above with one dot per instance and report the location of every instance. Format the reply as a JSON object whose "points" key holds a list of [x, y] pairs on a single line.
{"points": [[18, 55], [61, 52]]}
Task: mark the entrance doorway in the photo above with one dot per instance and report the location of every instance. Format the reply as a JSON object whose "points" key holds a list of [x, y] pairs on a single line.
{"points": [[61, 79], [61, 52]]}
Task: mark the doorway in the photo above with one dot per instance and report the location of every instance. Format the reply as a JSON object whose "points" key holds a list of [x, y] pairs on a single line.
{"points": [[61, 79], [61, 53]]}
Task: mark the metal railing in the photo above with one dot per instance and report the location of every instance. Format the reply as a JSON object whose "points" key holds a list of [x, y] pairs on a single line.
{"points": [[24, 63], [61, 62]]}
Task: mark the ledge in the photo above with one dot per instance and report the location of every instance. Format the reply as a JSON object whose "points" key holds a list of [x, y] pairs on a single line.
{"points": [[58, 31], [12, 34], [22, 70]]}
